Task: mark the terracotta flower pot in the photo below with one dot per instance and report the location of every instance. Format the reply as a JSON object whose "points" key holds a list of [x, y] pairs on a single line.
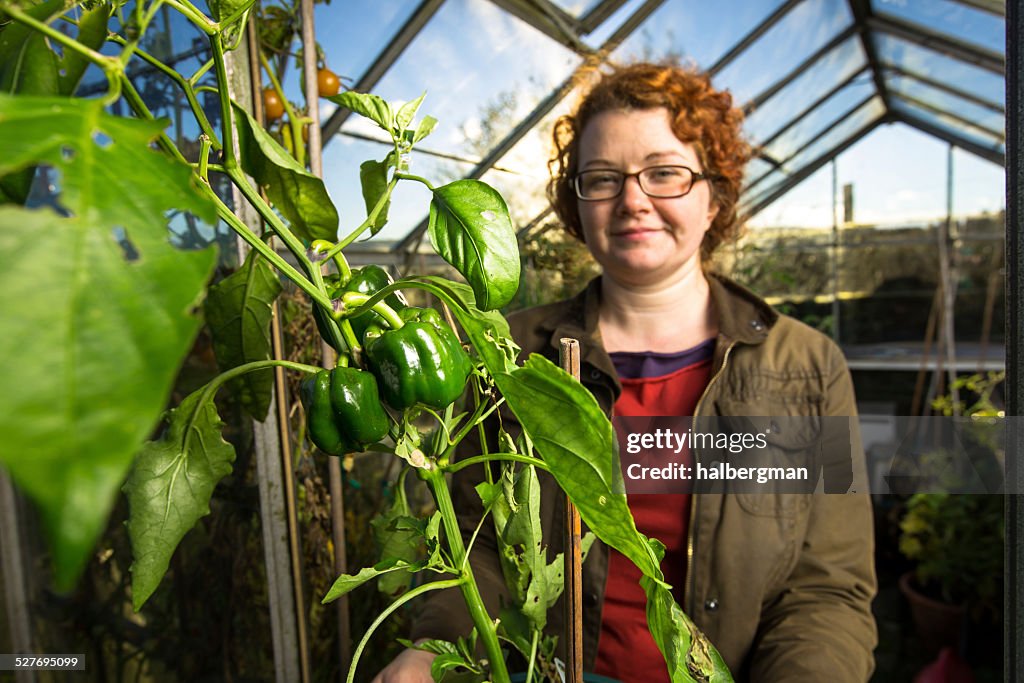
{"points": [[939, 624]]}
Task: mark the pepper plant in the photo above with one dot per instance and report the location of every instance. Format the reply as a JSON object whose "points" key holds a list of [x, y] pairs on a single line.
{"points": [[106, 307]]}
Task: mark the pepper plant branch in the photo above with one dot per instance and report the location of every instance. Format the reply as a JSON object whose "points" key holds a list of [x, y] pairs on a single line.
{"points": [[234, 16], [186, 87], [200, 72], [202, 22], [494, 457], [370, 219], [352, 300], [470, 593], [410, 595], [138, 106], [419, 179], [144, 17], [226, 118]]}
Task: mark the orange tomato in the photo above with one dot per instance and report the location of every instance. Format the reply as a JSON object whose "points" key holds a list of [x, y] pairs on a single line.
{"points": [[273, 107], [327, 82]]}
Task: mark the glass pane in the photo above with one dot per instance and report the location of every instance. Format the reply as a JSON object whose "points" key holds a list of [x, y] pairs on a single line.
{"points": [[938, 67], [806, 28], [694, 30], [955, 127], [828, 72], [979, 188], [410, 199], [947, 16], [914, 89], [577, 8], [833, 138], [352, 39], [816, 121], [480, 83]]}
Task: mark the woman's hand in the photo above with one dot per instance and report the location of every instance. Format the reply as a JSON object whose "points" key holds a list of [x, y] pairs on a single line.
{"points": [[411, 666]]}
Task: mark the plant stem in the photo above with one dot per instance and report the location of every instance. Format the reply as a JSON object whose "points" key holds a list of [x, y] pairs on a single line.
{"points": [[239, 11], [186, 86], [203, 22], [226, 118], [471, 594], [533, 656], [235, 223], [414, 593], [391, 317], [217, 382], [370, 219], [494, 457], [419, 179]]}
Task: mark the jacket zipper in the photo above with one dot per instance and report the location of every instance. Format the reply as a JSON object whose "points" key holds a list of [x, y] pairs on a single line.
{"points": [[688, 589]]}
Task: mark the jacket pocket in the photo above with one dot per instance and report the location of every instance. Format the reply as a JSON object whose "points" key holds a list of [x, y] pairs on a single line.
{"points": [[783, 463]]}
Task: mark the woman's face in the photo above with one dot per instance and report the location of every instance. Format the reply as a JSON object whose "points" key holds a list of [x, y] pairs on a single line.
{"points": [[637, 239]]}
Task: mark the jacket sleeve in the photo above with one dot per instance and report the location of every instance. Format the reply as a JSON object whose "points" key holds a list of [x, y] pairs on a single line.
{"points": [[819, 626]]}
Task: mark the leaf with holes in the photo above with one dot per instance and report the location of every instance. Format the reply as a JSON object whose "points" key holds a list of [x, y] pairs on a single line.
{"points": [[97, 312], [470, 228], [238, 310], [170, 486], [299, 195]]}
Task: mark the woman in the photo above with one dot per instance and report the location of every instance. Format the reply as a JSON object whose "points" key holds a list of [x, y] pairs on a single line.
{"points": [[647, 173]]}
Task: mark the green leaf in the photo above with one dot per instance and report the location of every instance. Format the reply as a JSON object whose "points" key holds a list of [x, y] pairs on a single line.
{"points": [[575, 439], [170, 486], [370, 106], [349, 582], [470, 228], [689, 655], [29, 67], [300, 196], [396, 541], [92, 32], [424, 129], [373, 177], [98, 310], [238, 310], [407, 112]]}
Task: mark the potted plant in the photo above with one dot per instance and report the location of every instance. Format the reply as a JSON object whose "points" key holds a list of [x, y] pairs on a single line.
{"points": [[955, 539]]}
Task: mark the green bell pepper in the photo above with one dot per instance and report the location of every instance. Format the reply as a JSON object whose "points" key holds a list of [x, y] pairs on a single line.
{"points": [[367, 280], [420, 362], [343, 410]]}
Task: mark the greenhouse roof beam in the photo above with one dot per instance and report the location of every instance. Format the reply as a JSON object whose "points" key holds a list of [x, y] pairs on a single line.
{"points": [[599, 13], [387, 57], [751, 37], [542, 109], [997, 134], [946, 88], [805, 172], [986, 153], [760, 99], [828, 129], [991, 6], [926, 37], [861, 10], [813, 106], [549, 19]]}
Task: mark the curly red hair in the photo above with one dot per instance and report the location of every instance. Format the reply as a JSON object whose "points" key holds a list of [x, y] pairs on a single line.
{"points": [[700, 115]]}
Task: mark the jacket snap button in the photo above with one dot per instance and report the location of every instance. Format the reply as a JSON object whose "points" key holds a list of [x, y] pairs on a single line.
{"points": [[595, 374], [590, 599], [774, 427], [711, 605], [757, 324]]}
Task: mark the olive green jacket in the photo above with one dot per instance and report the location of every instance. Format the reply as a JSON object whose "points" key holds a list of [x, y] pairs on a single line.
{"points": [[781, 583]]}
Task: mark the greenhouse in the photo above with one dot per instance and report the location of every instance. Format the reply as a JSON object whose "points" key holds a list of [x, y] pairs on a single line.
{"points": [[411, 376]]}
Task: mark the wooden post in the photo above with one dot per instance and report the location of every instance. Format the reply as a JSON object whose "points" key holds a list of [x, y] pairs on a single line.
{"points": [[309, 74], [569, 355]]}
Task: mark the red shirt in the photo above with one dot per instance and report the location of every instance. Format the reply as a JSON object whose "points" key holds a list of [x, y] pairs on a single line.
{"points": [[626, 650]]}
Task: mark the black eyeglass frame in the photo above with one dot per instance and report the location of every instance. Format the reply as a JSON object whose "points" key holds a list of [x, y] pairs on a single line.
{"points": [[697, 176]]}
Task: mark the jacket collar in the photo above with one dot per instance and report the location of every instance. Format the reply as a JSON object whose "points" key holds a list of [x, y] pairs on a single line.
{"points": [[742, 315]]}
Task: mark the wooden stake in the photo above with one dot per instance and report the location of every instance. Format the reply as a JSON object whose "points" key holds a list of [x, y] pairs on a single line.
{"points": [[569, 355]]}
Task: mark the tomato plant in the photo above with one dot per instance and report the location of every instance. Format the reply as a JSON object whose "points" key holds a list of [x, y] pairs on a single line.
{"points": [[119, 320]]}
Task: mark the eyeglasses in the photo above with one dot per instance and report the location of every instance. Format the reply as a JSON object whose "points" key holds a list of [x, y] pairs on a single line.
{"points": [[664, 182]]}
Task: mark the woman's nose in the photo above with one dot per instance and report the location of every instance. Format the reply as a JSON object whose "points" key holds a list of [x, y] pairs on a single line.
{"points": [[633, 197]]}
